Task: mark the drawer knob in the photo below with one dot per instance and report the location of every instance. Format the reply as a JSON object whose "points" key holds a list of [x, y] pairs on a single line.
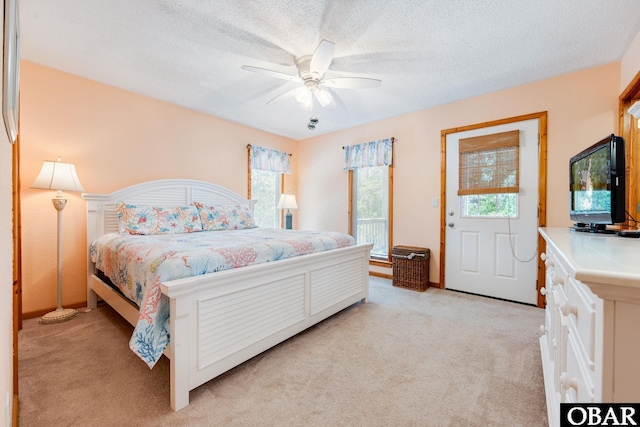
{"points": [[543, 256], [568, 309], [567, 383], [543, 291]]}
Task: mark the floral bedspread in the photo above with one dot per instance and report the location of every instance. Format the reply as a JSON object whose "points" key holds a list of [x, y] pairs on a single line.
{"points": [[138, 264]]}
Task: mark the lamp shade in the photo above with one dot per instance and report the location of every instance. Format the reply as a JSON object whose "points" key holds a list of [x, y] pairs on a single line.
{"points": [[287, 201], [58, 176]]}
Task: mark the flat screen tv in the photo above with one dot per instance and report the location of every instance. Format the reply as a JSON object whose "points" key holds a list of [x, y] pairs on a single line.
{"points": [[597, 185]]}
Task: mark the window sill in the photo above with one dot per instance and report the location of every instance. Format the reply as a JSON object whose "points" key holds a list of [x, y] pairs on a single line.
{"points": [[380, 263]]}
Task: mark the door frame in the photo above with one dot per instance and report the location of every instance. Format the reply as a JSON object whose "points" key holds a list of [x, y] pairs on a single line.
{"points": [[17, 267], [542, 186], [630, 95]]}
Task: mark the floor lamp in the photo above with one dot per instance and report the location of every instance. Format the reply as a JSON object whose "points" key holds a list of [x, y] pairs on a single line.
{"points": [[288, 201], [58, 176]]}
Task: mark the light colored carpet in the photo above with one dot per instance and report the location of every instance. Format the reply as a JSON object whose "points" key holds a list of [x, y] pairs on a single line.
{"points": [[406, 358]]}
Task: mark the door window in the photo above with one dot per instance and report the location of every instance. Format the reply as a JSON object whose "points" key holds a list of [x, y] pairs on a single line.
{"points": [[497, 205]]}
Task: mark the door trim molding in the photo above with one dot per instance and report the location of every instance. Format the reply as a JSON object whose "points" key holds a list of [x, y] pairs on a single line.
{"points": [[631, 137], [542, 185]]}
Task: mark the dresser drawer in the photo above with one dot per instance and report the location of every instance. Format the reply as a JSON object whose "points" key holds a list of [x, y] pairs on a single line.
{"points": [[547, 330], [560, 338], [581, 310], [575, 382], [556, 272]]}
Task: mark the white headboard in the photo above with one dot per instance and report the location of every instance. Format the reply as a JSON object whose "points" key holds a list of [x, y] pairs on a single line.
{"points": [[101, 213]]}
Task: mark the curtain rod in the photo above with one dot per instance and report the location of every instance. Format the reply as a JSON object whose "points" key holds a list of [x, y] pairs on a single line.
{"points": [[288, 154], [392, 141]]}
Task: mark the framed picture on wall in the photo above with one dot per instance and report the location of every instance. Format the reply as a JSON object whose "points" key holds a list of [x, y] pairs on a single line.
{"points": [[11, 69]]}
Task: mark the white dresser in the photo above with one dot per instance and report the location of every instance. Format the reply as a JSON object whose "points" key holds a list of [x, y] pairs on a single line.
{"points": [[591, 337]]}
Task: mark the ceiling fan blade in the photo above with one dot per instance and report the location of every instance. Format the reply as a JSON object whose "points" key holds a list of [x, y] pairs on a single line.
{"points": [[352, 83], [270, 73], [288, 94], [322, 57]]}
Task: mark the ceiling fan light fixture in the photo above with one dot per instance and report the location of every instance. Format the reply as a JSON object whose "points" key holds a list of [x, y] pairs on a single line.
{"points": [[302, 94], [323, 97], [311, 73], [307, 104]]}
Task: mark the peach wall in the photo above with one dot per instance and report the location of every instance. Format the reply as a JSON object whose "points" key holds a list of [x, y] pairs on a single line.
{"points": [[115, 138], [581, 109]]}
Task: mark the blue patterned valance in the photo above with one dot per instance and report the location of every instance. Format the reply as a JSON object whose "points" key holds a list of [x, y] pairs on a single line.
{"points": [[375, 153], [269, 160]]}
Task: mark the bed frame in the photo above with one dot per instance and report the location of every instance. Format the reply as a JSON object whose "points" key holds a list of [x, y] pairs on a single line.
{"points": [[222, 319]]}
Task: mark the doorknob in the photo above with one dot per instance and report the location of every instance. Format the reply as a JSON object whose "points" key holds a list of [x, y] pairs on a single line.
{"points": [[450, 224]]}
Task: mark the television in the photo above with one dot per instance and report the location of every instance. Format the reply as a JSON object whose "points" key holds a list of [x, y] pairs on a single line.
{"points": [[597, 186]]}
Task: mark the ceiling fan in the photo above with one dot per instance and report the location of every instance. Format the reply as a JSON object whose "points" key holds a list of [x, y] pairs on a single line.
{"points": [[311, 72]]}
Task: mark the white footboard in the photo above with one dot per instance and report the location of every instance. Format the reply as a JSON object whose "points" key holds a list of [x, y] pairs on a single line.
{"points": [[223, 319]]}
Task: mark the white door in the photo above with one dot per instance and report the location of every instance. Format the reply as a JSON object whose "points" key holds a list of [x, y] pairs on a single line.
{"points": [[494, 254]]}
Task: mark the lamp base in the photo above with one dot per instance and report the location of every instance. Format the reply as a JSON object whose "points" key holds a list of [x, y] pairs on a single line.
{"points": [[58, 316], [288, 221]]}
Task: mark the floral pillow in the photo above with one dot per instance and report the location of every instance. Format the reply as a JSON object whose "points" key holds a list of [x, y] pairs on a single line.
{"points": [[225, 217], [145, 219]]}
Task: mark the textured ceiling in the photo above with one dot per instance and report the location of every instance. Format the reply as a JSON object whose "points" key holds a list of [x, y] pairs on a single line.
{"points": [[426, 52]]}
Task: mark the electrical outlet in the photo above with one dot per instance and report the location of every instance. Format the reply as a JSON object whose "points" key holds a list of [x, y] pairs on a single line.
{"points": [[434, 202]]}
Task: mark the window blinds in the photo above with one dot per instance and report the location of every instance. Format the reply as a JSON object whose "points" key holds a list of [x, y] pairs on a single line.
{"points": [[489, 164]]}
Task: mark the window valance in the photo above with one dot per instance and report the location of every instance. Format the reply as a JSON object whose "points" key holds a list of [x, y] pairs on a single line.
{"points": [[489, 164], [267, 159], [374, 153]]}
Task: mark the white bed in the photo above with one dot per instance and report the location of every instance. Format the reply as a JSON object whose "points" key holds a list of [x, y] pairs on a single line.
{"points": [[199, 350]]}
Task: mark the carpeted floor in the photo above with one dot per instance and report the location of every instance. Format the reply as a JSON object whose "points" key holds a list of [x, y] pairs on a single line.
{"points": [[406, 358]]}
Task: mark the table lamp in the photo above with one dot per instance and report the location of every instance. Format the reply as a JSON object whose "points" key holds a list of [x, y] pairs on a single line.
{"points": [[288, 201]]}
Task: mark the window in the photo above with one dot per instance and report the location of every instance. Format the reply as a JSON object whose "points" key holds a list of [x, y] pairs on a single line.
{"points": [[371, 195], [371, 209], [499, 205], [266, 187], [266, 182]]}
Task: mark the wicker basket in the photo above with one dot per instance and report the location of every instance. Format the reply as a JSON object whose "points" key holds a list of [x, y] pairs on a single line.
{"points": [[411, 267]]}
